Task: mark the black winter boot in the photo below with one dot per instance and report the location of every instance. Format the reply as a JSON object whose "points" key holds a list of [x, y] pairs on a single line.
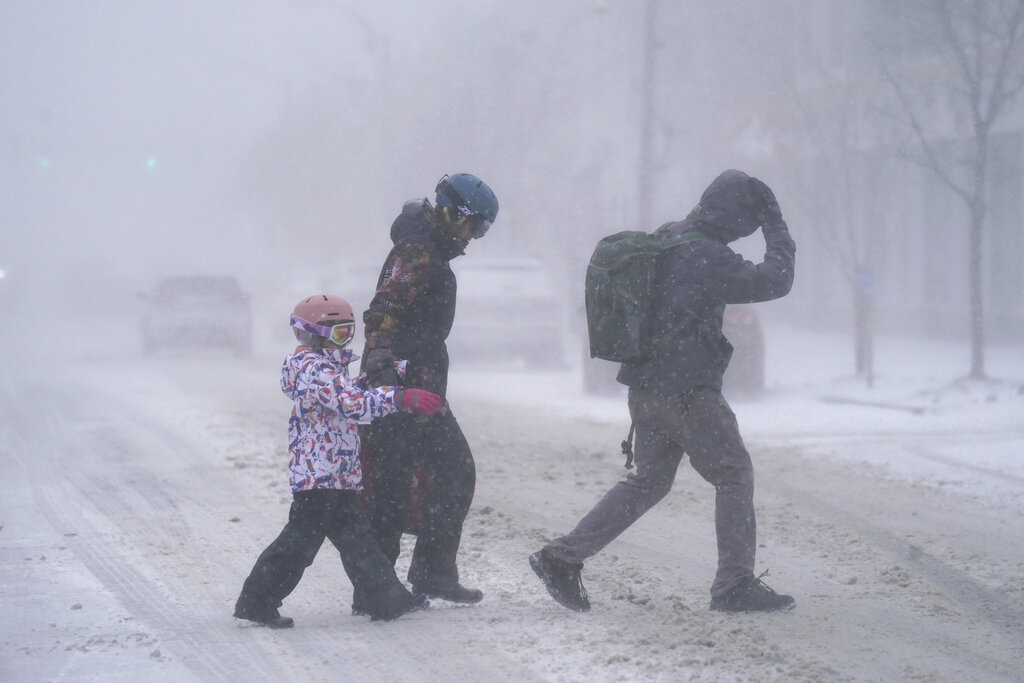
{"points": [[562, 580], [752, 595], [413, 603], [455, 593], [397, 603], [251, 610]]}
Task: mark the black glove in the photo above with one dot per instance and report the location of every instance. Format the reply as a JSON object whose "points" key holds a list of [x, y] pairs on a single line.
{"points": [[380, 368], [770, 216]]}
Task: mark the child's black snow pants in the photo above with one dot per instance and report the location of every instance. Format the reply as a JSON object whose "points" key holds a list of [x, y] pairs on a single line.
{"points": [[338, 516]]}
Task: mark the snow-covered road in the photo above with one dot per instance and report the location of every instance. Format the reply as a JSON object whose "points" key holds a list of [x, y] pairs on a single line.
{"points": [[136, 495]]}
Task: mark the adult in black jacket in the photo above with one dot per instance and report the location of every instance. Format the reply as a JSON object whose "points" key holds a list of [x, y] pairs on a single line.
{"points": [[675, 397], [409, 318]]}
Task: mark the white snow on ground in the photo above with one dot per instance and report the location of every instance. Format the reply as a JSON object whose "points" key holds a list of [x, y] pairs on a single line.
{"points": [[137, 493]]}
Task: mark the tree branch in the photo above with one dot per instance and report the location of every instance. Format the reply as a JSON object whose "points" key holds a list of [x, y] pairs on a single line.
{"points": [[1002, 91], [932, 161]]}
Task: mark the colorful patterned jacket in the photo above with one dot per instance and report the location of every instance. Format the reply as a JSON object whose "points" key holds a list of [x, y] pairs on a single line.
{"points": [[323, 435], [414, 306]]}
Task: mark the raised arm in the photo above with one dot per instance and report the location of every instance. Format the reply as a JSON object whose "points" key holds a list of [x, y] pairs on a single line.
{"points": [[738, 281]]}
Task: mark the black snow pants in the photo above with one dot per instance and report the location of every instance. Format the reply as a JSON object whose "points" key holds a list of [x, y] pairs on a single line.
{"points": [[398, 442], [314, 515]]}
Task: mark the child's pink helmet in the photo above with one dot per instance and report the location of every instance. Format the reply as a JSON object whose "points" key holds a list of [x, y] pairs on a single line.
{"points": [[314, 317]]}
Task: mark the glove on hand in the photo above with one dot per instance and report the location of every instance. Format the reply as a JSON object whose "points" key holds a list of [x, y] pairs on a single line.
{"points": [[380, 368], [417, 401], [770, 216]]}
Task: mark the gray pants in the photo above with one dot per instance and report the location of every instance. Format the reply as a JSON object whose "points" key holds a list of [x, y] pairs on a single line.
{"points": [[702, 425]]}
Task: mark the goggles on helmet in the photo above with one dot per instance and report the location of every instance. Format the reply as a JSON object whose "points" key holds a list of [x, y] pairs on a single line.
{"points": [[461, 212], [478, 226], [339, 333]]}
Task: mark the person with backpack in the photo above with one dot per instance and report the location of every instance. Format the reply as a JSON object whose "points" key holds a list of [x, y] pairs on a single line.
{"points": [[325, 470], [675, 397], [409, 317]]}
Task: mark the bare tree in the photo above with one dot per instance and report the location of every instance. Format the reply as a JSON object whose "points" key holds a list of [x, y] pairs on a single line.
{"points": [[973, 52], [838, 141]]}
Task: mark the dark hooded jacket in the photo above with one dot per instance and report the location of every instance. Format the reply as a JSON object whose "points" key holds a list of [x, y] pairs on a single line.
{"points": [[696, 280], [413, 308]]}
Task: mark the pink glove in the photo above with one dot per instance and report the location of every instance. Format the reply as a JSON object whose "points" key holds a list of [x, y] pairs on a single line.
{"points": [[417, 401]]}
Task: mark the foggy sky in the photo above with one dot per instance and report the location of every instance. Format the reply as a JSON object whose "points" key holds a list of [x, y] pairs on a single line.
{"points": [[194, 131], [277, 139]]}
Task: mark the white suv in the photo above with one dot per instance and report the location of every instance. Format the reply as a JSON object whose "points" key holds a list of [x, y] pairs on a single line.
{"points": [[507, 309]]}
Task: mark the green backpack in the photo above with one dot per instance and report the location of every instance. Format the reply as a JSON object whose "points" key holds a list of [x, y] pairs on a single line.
{"points": [[620, 289]]}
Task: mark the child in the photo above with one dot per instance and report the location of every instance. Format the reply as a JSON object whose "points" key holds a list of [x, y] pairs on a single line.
{"points": [[326, 475]]}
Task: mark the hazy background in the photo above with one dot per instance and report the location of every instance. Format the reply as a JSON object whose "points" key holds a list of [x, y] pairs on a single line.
{"points": [[277, 140]]}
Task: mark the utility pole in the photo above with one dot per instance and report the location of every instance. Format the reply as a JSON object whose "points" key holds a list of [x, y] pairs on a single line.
{"points": [[645, 189]]}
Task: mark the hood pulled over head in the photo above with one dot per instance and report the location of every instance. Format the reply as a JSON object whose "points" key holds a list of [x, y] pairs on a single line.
{"points": [[418, 217], [732, 206], [415, 218]]}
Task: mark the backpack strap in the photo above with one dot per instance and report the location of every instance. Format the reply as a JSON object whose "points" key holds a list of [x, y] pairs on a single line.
{"points": [[675, 242], [627, 446]]}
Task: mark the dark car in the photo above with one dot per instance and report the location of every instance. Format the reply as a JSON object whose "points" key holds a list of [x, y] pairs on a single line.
{"points": [[744, 378], [197, 312]]}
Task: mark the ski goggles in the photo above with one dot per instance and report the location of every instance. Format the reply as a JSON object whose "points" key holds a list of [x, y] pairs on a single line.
{"points": [[478, 225], [339, 333]]}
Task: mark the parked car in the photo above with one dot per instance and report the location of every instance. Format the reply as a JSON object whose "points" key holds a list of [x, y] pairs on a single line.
{"points": [[508, 309], [196, 312], [743, 378]]}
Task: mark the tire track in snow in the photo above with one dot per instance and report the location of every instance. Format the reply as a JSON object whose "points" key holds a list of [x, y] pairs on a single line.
{"points": [[105, 526], [136, 592], [998, 475], [965, 590], [400, 650], [986, 604]]}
